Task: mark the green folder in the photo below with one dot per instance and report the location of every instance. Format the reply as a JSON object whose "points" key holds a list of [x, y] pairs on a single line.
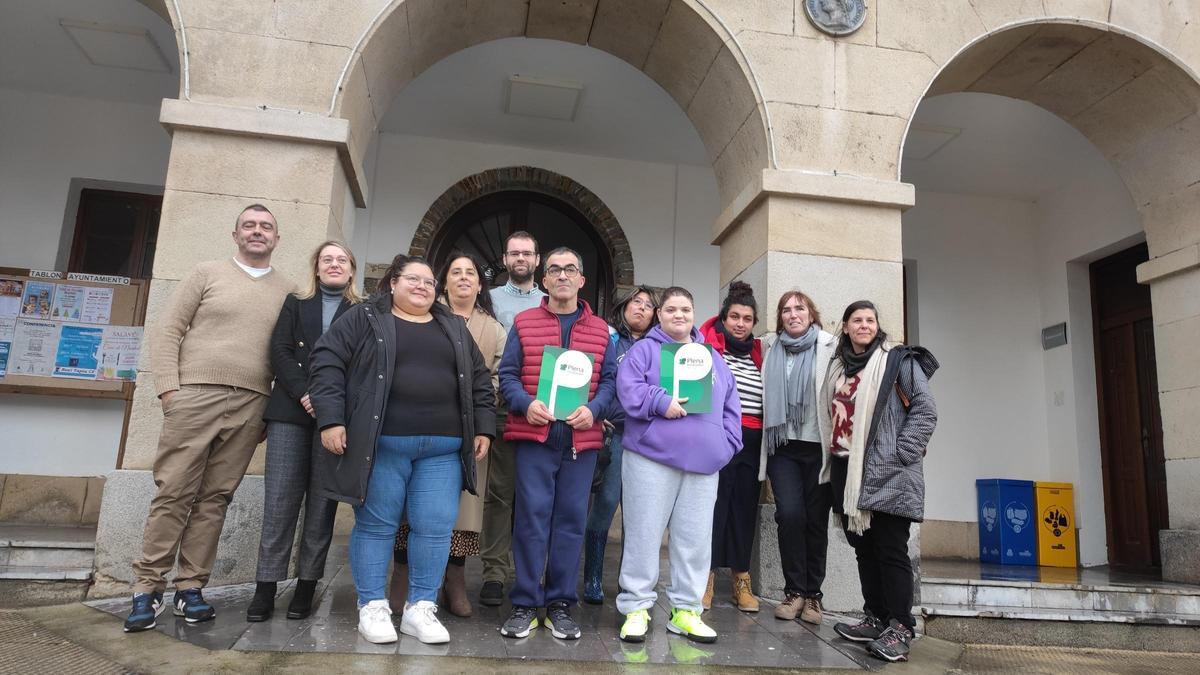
{"points": [[564, 380], [685, 371]]}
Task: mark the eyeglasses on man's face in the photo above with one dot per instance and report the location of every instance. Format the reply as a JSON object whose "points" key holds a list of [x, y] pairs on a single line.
{"points": [[414, 280], [520, 254], [557, 270]]}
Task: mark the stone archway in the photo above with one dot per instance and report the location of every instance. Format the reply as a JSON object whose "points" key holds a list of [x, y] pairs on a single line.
{"points": [[1140, 106]]}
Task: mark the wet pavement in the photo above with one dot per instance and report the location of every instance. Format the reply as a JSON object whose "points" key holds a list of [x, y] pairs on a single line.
{"points": [[752, 640]]}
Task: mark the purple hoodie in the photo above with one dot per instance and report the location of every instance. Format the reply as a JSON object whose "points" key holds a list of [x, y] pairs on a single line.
{"points": [[698, 442]]}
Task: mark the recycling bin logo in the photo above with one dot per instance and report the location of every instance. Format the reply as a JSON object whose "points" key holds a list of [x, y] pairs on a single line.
{"points": [[1055, 520], [989, 513], [1016, 515]]}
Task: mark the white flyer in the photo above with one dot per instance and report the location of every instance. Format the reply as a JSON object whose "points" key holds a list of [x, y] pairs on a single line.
{"points": [[118, 356], [84, 304], [35, 343]]}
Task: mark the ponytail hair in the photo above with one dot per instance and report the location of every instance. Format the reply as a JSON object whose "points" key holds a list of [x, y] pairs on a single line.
{"points": [[740, 293]]}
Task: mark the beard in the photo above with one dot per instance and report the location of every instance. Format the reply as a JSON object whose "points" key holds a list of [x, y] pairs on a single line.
{"points": [[520, 277]]}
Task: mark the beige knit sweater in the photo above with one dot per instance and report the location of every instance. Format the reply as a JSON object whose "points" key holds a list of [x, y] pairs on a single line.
{"points": [[217, 329]]}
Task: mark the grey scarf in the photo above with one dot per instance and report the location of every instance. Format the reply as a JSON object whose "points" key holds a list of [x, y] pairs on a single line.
{"points": [[784, 394]]}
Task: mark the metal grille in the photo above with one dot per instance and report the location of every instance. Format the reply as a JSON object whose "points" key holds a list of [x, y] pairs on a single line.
{"points": [[1051, 661], [26, 647]]}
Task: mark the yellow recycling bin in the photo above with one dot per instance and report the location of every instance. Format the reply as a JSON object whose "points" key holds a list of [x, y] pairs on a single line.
{"points": [[1056, 531]]}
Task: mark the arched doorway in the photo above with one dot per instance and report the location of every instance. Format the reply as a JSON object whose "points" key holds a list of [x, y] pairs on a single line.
{"points": [[479, 212], [1092, 412]]}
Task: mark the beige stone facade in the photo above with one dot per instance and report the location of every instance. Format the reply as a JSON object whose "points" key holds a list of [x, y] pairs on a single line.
{"points": [[805, 132]]}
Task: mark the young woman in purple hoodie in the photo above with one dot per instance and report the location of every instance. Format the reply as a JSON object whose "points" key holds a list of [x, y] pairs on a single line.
{"points": [[669, 476]]}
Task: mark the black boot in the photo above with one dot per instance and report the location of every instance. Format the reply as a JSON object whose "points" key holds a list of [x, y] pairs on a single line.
{"points": [[301, 605], [263, 604]]}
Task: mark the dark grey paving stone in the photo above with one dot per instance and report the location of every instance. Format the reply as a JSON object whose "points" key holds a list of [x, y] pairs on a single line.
{"points": [[544, 646], [335, 635]]}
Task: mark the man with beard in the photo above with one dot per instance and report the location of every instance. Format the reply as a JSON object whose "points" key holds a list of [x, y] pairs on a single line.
{"points": [[521, 259], [209, 354]]}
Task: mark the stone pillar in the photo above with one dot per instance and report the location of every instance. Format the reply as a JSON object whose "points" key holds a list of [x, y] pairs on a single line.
{"points": [[1174, 279], [222, 159], [836, 238]]}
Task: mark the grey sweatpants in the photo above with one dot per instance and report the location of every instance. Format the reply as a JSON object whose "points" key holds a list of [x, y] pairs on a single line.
{"points": [[654, 497]]}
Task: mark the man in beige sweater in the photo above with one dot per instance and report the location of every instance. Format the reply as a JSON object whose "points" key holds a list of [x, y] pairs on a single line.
{"points": [[213, 376]]}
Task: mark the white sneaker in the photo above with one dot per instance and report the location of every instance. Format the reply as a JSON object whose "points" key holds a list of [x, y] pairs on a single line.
{"points": [[375, 622], [420, 621]]}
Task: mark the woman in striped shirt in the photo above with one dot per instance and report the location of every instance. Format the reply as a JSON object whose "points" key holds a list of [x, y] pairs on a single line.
{"points": [[731, 333]]}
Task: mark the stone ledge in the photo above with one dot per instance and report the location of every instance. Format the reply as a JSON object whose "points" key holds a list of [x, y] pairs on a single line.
{"points": [[1182, 260], [276, 124], [1072, 615], [816, 186]]}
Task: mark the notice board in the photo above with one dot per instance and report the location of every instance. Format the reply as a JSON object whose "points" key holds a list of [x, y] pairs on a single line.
{"points": [[70, 334]]}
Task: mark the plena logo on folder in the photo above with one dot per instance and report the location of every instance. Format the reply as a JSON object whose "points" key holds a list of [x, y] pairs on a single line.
{"points": [[685, 371], [564, 379]]}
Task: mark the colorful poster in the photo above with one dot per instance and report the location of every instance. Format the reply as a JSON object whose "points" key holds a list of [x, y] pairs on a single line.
{"points": [[5, 348], [685, 371], [85, 304], [34, 345], [564, 379], [10, 297], [77, 351], [119, 351], [38, 299]]}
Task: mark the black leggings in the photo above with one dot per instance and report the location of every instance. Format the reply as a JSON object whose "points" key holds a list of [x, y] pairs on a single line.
{"points": [[802, 514], [736, 512]]}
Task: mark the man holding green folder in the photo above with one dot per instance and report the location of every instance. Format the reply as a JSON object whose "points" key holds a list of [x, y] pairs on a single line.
{"points": [[558, 375]]}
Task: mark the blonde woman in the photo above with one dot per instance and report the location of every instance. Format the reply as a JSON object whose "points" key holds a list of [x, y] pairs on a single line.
{"points": [[290, 437]]}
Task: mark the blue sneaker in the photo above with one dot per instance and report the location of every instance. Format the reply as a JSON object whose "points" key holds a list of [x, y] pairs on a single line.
{"points": [[146, 608], [190, 604]]}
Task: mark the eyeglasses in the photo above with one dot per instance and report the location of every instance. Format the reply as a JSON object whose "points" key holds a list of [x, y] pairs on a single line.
{"points": [[520, 254], [644, 304], [341, 260], [414, 280], [555, 270]]}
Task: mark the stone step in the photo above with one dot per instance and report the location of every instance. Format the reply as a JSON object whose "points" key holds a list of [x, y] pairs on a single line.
{"points": [[41, 573], [1054, 601], [47, 546], [32, 586], [1062, 628]]}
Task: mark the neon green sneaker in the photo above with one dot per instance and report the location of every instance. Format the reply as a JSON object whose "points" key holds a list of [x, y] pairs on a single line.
{"points": [[635, 653], [687, 622], [684, 652], [636, 624]]}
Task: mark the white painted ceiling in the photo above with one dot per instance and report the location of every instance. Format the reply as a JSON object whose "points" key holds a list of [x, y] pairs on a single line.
{"points": [[37, 54], [994, 146], [622, 112]]}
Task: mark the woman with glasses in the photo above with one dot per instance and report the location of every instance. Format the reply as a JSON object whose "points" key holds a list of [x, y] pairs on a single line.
{"points": [[290, 478], [630, 319], [405, 405]]}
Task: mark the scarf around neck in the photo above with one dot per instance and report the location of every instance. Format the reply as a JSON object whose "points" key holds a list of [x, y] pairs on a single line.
{"points": [[784, 394], [734, 345], [858, 520], [851, 362]]}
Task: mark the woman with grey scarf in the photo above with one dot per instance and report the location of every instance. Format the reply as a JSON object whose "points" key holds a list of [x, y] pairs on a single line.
{"points": [[794, 366]]}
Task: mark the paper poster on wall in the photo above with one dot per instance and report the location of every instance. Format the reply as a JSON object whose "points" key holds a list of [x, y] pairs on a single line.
{"points": [[38, 299], [85, 304], [10, 297], [5, 348], [78, 348], [34, 345], [7, 328], [119, 353]]}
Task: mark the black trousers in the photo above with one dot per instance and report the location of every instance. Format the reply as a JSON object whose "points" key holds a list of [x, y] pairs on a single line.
{"points": [[884, 569], [736, 510], [802, 514]]}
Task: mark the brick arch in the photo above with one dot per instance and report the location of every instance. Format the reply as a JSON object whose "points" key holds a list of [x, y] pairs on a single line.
{"points": [[532, 179]]}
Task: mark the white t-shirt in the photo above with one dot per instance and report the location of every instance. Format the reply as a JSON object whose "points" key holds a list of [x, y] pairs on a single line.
{"points": [[255, 272]]}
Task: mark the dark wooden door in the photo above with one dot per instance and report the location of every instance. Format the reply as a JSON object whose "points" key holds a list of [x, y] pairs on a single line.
{"points": [[1135, 497]]}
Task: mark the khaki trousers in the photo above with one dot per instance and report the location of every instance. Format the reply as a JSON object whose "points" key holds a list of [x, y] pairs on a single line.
{"points": [[495, 539], [208, 437]]}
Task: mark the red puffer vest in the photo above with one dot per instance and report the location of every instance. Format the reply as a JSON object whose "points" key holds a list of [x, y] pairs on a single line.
{"points": [[537, 328]]}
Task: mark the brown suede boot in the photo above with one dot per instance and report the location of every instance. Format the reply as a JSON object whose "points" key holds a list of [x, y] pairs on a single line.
{"points": [[743, 597], [708, 590], [455, 587], [790, 607], [398, 589], [811, 612]]}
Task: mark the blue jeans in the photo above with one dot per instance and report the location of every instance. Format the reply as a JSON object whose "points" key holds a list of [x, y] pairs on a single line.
{"points": [[424, 474], [604, 504]]}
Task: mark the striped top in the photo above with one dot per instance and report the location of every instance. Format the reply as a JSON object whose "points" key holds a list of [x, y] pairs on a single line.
{"points": [[749, 383]]}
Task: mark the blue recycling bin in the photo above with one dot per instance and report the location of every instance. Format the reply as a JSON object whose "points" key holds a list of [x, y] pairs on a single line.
{"points": [[1007, 521]]}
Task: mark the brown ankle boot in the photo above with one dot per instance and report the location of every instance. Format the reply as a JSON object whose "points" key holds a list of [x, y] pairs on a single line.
{"points": [[398, 588], [743, 596], [455, 587], [708, 591]]}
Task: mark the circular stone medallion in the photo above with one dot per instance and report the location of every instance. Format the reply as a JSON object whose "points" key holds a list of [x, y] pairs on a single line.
{"points": [[836, 17]]}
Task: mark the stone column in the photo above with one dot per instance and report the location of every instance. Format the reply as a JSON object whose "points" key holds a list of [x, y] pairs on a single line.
{"points": [[836, 238], [222, 159], [1173, 280]]}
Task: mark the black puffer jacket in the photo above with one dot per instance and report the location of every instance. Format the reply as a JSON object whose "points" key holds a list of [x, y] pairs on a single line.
{"points": [[350, 377]]}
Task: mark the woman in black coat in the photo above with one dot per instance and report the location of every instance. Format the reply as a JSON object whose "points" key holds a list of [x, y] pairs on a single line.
{"points": [[291, 445], [405, 405]]}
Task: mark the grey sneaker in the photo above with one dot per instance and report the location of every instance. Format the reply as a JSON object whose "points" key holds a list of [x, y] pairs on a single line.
{"points": [[560, 623], [870, 628], [520, 623], [893, 644]]}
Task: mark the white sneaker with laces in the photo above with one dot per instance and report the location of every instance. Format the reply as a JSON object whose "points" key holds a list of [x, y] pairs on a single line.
{"points": [[420, 621], [375, 622]]}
